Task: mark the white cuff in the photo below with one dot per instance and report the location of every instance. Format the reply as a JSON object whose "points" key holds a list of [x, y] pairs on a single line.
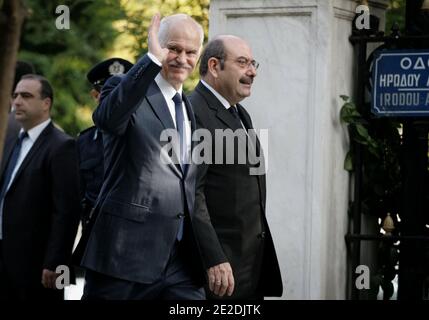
{"points": [[154, 59]]}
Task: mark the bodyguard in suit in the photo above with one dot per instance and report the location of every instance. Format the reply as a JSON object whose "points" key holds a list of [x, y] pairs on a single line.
{"points": [[142, 244], [39, 197], [239, 244]]}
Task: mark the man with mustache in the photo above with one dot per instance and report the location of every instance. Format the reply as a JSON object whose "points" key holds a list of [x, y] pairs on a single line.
{"points": [[238, 246], [142, 243]]}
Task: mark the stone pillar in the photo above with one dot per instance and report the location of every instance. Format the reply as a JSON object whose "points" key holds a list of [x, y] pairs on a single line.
{"points": [[306, 63]]}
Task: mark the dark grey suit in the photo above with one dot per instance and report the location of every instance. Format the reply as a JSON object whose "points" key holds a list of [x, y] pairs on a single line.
{"points": [[233, 201], [145, 199]]}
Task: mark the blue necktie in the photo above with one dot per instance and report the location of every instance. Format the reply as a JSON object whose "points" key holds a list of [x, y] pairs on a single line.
{"points": [[180, 125], [11, 164]]}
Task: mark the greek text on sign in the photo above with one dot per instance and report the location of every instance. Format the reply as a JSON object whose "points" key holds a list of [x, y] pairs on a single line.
{"points": [[401, 83]]}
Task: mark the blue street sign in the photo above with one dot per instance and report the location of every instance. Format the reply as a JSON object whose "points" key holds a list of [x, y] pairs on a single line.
{"points": [[400, 83]]}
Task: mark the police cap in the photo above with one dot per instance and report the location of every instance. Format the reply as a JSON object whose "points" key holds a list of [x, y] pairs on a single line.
{"points": [[107, 68]]}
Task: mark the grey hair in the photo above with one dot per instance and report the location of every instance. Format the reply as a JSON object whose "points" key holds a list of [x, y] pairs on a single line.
{"points": [[167, 22]]}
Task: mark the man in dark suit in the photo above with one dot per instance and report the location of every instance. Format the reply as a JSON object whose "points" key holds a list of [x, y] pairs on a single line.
{"points": [[229, 195], [39, 197], [142, 244]]}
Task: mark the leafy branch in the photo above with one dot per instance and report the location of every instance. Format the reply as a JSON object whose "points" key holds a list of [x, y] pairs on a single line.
{"points": [[381, 142]]}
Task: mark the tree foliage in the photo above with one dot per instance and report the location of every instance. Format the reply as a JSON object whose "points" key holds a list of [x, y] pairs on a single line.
{"points": [[12, 14], [99, 29], [395, 13], [380, 140], [64, 56]]}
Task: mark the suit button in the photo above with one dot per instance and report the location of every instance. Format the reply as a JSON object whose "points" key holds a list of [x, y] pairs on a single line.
{"points": [[261, 235], [180, 215]]}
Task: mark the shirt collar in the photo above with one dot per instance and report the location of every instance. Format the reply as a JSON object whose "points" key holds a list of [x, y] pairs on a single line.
{"points": [[222, 100], [167, 89], [35, 132]]}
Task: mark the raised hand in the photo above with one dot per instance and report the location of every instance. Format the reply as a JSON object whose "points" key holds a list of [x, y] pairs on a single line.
{"points": [[153, 41]]}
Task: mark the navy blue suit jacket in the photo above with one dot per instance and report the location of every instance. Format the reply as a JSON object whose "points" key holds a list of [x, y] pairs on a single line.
{"points": [[144, 198]]}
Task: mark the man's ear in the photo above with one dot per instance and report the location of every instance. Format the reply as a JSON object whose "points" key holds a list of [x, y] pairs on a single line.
{"points": [[47, 103], [213, 65], [95, 95]]}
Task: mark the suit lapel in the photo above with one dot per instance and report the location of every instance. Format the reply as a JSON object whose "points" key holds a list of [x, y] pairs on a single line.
{"points": [[191, 117], [221, 112], [244, 117], [190, 112], [253, 143], [36, 146], [8, 147], [227, 118], [248, 123], [159, 106]]}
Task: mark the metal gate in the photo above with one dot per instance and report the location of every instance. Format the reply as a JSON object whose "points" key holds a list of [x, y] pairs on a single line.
{"points": [[401, 237]]}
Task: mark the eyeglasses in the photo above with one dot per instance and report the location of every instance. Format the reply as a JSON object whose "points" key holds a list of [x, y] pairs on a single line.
{"points": [[244, 63]]}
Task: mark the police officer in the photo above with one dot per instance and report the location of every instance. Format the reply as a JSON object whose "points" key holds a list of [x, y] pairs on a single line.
{"points": [[90, 141]]}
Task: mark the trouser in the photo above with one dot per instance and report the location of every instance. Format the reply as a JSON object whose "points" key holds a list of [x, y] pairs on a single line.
{"points": [[28, 290], [175, 283]]}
